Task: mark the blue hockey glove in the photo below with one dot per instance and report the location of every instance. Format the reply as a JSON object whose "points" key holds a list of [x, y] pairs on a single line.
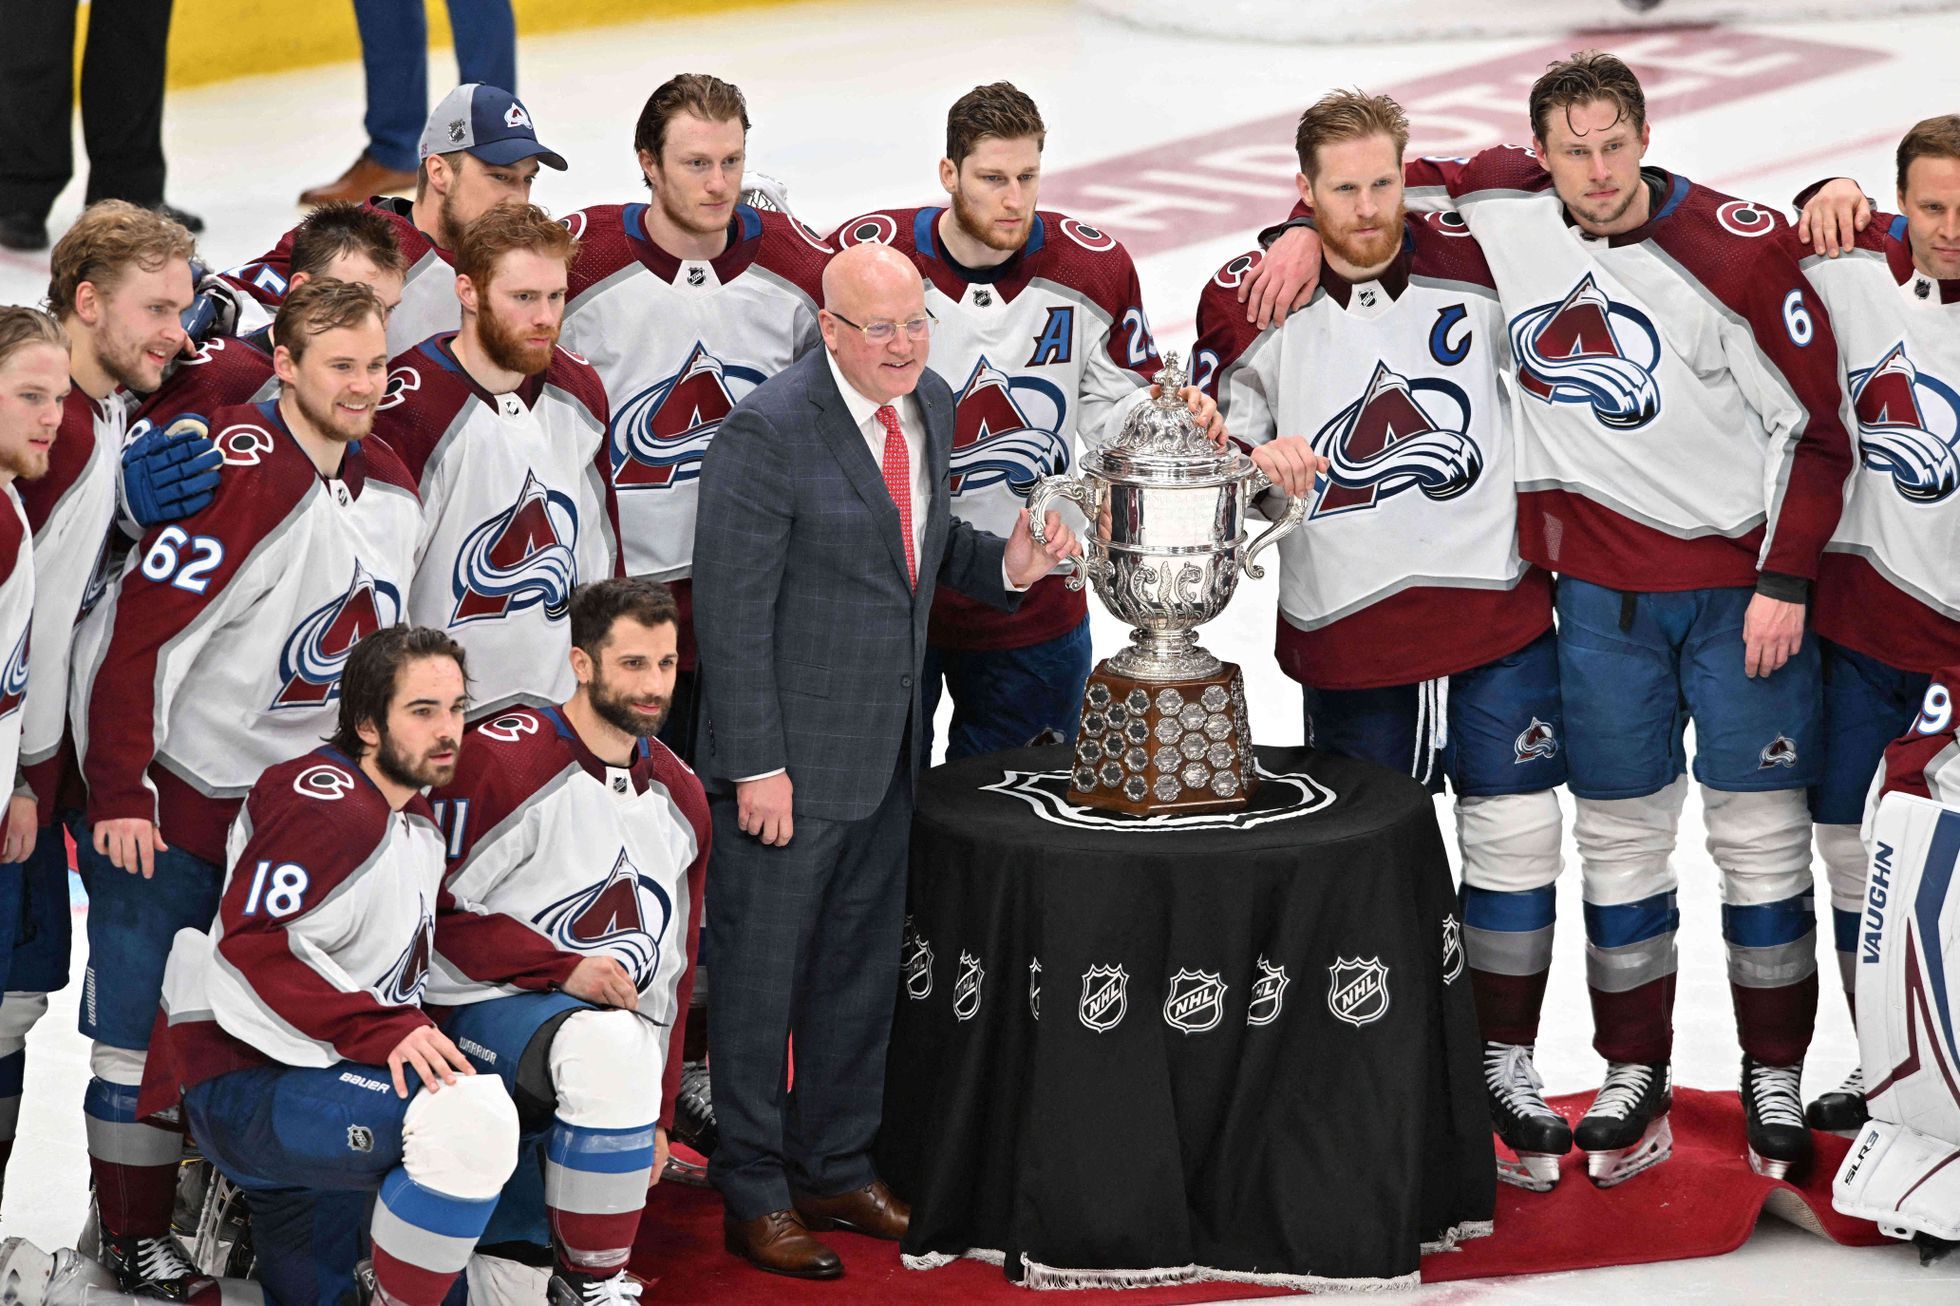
{"points": [[169, 474]]}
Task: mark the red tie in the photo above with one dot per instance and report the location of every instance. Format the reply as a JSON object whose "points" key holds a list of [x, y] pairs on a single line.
{"points": [[898, 483]]}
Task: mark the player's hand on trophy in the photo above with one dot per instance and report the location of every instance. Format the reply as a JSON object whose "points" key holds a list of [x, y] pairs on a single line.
{"points": [[131, 843], [1772, 632], [762, 808], [1285, 278], [432, 1056], [1831, 221], [1028, 561], [22, 823], [602, 981], [1204, 409], [1290, 463]]}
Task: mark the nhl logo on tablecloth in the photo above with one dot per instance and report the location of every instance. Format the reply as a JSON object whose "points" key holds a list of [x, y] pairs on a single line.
{"points": [[1452, 948], [1196, 1001], [1105, 997], [1034, 986], [917, 962], [966, 988], [1357, 991], [1268, 992]]}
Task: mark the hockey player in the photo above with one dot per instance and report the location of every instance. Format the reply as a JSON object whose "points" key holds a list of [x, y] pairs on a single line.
{"points": [[170, 466], [1419, 636], [1644, 308], [574, 834], [505, 435], [1888, 597], [218, 654], [478, 150], [117, 281], [683, 305], [1038, 326], [1899, 1170], [294, 1031]]}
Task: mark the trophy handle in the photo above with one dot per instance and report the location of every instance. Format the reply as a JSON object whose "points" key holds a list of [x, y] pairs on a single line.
{"points": [[1080, 493], [1296, 512]]}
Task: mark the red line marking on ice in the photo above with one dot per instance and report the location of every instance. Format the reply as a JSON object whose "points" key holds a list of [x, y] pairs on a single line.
{"points": [[1837, 151]]}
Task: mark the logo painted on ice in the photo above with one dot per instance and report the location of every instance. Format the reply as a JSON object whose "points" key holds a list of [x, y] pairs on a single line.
{"points": [[1536, 740], [613, 917], [1105, 997], [1399, 435], [311, 660], [1268, 994], [1034, 986], [1452, 948], [966, 987], [1196, 1001], [1357, 991], [521, 558], [660, 435], [917, 963], [1005, 431], [1780, 751], [1908, 426], [13, 682], [1586, 349]]}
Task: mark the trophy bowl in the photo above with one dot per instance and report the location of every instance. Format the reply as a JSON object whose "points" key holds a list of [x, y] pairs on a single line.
{"points": [[1163, 723]]}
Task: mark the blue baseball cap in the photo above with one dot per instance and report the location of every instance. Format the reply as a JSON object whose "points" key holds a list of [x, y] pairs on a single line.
{"points": [[486, 121]]}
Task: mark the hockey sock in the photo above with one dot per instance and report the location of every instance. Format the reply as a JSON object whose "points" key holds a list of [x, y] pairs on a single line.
{"points": [[1773, 977], [422, 1239], [133, 1162], [1842, 851], [18, 1012], [595, 1186], [1507, 938], [1631, 920]]}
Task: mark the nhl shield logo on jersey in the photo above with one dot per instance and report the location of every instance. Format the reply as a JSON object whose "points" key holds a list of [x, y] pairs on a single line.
{"points": [[1537, 740], [1268, 994], [916, 963], [966, 987], [1399, 435], [1908, 426], [520, 558], [13, 682], [1452, 948], [1105, 997], [1196, 1001], [1586, 349], [405, 979], [625, 915], [312, 657], [1780, 751], [660, 435], [1004, 431], [1357, 991]]}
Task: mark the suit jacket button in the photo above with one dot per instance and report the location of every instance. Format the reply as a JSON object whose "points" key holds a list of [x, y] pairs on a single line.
{"points": [[906, 681]]}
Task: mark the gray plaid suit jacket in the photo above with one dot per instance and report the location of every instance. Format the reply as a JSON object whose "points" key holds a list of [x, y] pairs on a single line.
{"points": [[811, 636]]}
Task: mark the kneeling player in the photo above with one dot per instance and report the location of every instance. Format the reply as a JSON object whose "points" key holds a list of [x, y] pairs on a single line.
{"points": [[1420, 638], [576, 837], [295, 1032]]}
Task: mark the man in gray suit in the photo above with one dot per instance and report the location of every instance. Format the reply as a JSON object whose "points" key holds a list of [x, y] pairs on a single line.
{"points": [[824, 527]]}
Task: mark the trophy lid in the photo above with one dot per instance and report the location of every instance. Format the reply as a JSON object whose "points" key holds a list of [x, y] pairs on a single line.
{"points": [[1161, 440]]}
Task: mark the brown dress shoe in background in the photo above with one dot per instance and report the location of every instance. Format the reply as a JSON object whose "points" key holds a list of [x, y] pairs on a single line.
{"points": [[872, 1209], [779, 1243], [365, 178]]}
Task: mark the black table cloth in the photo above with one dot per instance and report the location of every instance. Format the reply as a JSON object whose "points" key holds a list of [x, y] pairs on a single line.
{"points": [[1154, 1050]]}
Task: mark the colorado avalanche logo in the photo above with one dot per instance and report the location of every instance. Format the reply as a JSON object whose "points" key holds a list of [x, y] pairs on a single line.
{"points": [[660, 435], [311, 660], [1908, 426], [520, 558], [1536, 740], [1586, 349], [613, 917], [411, 970], [1005, 431], [1398, 435], [13, 682], [1780, 751]]}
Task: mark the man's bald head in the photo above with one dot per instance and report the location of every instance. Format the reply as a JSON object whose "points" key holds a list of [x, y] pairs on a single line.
{"points": [[863, 286]]}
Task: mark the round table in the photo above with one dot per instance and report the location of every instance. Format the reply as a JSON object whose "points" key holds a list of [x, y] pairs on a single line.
{"points": [[1148, 1050]]}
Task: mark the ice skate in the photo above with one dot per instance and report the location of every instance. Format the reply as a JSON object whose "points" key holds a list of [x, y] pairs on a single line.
{"points": [[620, 1289], [152, 1267], [1536, 1135], [1625, 1130], [1843, 1111], [1772, 1111]]}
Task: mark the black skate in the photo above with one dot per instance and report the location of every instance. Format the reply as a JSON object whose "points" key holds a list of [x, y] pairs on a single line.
{"points": [[1841, 1112], [1625, 1130], [1772, 1111], [152, 1267], [694, 1124], [1537, 1135]]}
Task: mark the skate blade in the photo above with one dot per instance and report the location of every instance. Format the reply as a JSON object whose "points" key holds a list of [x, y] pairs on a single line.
{"points": [[24, 1273], [1770, 1167], [1612, 1166], [1535, 1172], [678, 1172]]}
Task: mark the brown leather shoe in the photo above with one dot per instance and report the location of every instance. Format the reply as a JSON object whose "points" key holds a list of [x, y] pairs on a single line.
{"points": [[779, 1243], [872, 1209], [364, 178]]}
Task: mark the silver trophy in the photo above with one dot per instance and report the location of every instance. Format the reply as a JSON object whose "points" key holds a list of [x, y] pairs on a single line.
{"points": [[1163, 722]]}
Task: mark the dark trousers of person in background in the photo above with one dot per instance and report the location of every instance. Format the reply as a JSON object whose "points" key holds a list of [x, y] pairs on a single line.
{"points": [[395, 54]]}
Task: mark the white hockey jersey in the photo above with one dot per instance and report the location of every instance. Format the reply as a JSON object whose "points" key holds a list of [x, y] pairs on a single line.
{"points": [[218, 652], [16, 615], [516, 511], [1888, 585], [1044, 354], [1406, 567], [1679, 419]]}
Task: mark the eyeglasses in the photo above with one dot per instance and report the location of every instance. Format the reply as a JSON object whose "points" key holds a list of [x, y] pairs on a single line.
{"points": [[883, 333]]}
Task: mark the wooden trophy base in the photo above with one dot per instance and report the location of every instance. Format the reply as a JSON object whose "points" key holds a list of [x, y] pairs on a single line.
{"points": [[1149, 747]]}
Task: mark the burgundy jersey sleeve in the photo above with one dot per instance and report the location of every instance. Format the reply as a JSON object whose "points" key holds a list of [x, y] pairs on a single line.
{"points": [[1092, 262], [794, 252], [266, 277], [685, 787], [603, 247], [422, 399], [1925, 760], [224, 372]]}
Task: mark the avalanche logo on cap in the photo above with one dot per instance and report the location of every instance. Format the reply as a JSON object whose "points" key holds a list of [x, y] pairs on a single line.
{"points": [[1586, 349], [1908, 426], [515, 117]]}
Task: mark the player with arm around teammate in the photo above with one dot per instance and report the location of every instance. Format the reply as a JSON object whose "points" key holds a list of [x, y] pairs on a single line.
{"points": [[577, 837]]}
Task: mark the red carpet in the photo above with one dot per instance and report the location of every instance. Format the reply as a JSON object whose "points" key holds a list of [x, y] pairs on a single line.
{"points": [[1702, 1202]]}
